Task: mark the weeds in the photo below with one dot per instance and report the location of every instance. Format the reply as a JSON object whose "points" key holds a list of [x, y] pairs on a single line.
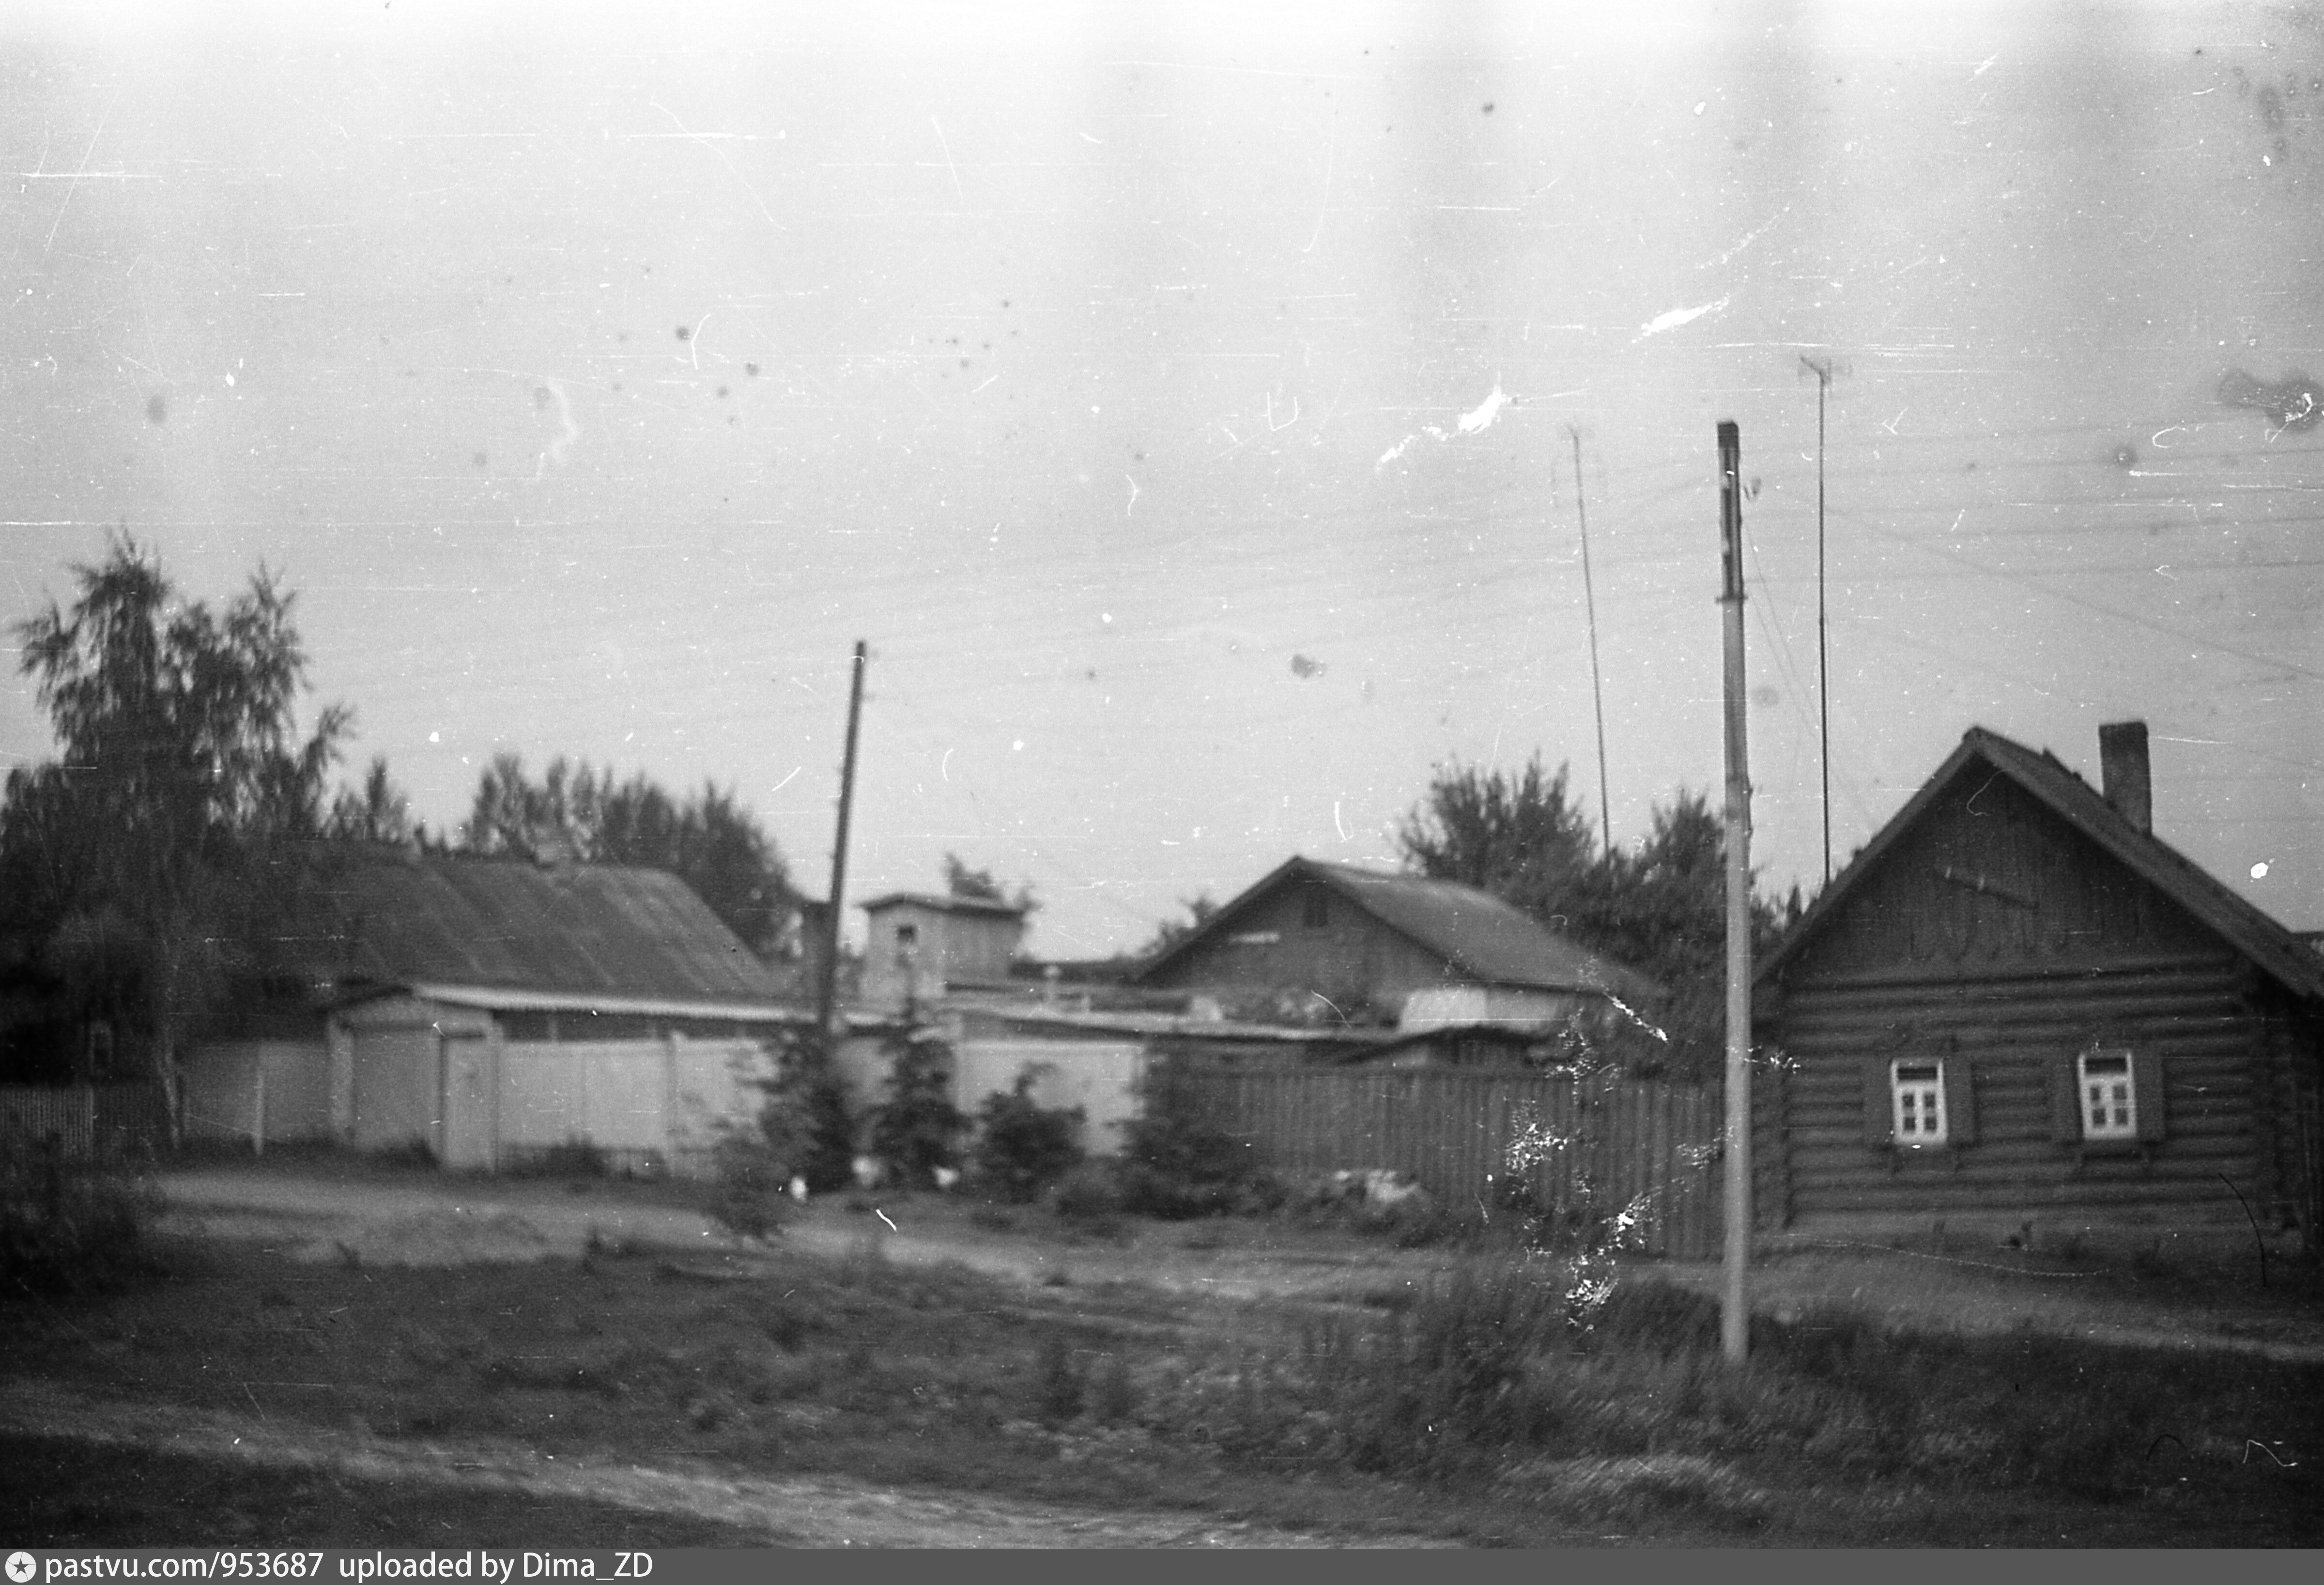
{"points": [[1059, 1389], [67, 1226], [572, 1159]]}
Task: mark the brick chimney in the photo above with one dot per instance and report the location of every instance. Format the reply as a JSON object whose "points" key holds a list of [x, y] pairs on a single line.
{"points": [[2124, 776]]}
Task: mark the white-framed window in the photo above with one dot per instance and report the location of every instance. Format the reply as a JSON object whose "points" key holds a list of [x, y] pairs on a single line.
{"points": [[2106, 1088], [1916, 1088]]}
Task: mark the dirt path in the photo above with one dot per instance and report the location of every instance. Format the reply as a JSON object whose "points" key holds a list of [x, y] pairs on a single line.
{"points": [[423, 1222], [436, 1221], [787, 1511]]}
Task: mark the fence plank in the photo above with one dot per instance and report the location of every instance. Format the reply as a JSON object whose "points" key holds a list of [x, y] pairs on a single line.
{"points": [[89, 1121], [1597, 1143]]}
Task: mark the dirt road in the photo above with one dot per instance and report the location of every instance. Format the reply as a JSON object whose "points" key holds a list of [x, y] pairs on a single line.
{"points": [[784, 1510]]}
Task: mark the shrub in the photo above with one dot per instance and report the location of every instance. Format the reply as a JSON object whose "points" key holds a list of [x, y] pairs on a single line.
{"points": [[802, 1129], [751, 1185], [1177, 1165], [574, 1158], [69, 1227], [918, 1128], [1022, 1146], [1088, 1198], [805, 1120]]}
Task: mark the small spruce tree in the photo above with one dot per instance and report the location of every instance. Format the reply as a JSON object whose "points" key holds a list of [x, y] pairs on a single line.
{"points": [[918, 1128]]}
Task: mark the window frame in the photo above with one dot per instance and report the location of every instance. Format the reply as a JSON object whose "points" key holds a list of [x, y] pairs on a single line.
{"points": [[2120, 1129], [1925, 1085], [1955, 1084], [2149, 1097]]}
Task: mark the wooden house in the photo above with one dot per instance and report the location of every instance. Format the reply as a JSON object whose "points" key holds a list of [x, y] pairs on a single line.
{"points": [[2019, 1016], [1380, 948]]}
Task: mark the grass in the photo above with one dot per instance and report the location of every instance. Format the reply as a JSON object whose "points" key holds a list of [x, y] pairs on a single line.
{"points": [[1472, 1405], [66, 1493]]}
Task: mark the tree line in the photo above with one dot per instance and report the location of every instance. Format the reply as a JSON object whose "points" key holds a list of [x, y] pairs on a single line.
{"points": [[142, 868], [186, 802]]}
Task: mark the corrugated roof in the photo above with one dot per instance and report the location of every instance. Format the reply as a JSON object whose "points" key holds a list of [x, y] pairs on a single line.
{"points": [[570, 931], [1482, 937], [2275, 949]]}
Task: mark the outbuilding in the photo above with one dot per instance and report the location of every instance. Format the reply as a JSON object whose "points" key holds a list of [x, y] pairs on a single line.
{"points": [[487, 1012]]}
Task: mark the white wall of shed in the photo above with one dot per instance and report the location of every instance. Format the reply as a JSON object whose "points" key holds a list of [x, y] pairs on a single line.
{"points": [[1101, 1077], [224, 1098]]}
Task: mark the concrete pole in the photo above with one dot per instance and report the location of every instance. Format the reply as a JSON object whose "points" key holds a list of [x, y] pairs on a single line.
{"points": [[1734, 1314]]}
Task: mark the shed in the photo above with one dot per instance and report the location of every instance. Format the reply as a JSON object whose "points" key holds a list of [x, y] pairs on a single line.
{"points": [[486, 1011], [1388, 948], [922, 944], [2018, 1015]]}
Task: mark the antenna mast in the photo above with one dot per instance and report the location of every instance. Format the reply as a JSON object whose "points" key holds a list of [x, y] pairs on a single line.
{"points": [[1822, 372], [1596, 690]]}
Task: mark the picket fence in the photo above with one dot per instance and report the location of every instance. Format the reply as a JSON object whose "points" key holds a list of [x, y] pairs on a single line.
{"points": [[89, 1122], [1591, 1143]]}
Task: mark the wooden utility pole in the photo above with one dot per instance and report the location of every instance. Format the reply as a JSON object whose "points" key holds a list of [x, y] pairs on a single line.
{"points": [[827, 990], [1734, 1312], [1597, 692]]}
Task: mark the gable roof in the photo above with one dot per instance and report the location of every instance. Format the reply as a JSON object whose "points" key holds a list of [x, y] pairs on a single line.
{"points": [[510, 932], [946, 903], [1482, 937], [2276, 950]]}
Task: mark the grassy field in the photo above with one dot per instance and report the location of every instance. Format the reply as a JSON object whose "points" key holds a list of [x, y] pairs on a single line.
{"points": [[1478, 1407]]}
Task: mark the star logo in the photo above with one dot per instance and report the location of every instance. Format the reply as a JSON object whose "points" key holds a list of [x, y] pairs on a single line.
{"points": [[22, 1567]]}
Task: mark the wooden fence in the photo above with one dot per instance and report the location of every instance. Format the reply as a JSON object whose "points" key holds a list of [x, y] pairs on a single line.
{"points": [[1592, 1145], [90, 1122]]}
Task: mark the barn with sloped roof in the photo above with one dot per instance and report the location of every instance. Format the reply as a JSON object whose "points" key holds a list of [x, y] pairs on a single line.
{"points": [[484, 1011]]}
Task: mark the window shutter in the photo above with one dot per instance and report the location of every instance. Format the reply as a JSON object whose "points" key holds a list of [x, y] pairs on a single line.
{"points": [[2146, 1085], [2065, 1103], [1960, 1102], [1879, 1104]]}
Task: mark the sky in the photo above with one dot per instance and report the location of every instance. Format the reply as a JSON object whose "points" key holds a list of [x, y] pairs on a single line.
{"points": [[1199, 410]]}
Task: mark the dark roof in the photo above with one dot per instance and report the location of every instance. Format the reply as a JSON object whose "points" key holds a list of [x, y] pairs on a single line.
{"points": [[1486, 940], [946, 903], [2275, 949], [572, 930]]}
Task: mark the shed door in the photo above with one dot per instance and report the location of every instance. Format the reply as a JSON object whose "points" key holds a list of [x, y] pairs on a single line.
{"points": [[468, 1103], [399, 1088]]}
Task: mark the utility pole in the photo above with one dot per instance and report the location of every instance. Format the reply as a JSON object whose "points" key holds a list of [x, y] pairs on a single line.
{"points": [[827, 992], [1734, 1312], [1597, 692], [1822, 372]]}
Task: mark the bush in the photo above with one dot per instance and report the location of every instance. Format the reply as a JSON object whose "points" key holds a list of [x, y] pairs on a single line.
{"points": [[69, 1227], [1088, 1198], [1022, 1146], [751, 1185], [918, 1128], [805, 1121], [1177, 1165], [574, 1158]]}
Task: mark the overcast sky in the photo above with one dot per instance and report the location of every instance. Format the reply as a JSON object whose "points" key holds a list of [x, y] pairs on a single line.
{"points": [[1182, 402]]}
